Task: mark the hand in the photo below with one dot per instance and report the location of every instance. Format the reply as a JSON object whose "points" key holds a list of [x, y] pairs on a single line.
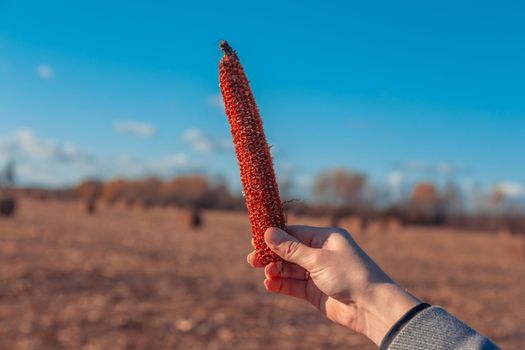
{"points": [[327, 268]]}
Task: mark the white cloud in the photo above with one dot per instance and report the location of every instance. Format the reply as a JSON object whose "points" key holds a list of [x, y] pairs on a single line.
{"points": [[418, 166], [25, 144], [202, 143], [216, 101], [511, 189], [49, 162], [179, 159], [305, 181], [41, 160], [395, 179], [169, 164], [127, 166], [448, 169], [45, 71], [135, 128], [415, 165]]}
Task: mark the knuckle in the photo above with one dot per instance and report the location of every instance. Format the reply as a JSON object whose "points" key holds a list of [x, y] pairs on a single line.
{"points": [[282, 272], [292, 248], [343, 233]]}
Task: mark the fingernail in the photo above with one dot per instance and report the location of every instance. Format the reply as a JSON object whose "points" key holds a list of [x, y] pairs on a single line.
{"points": [[277, 236]]}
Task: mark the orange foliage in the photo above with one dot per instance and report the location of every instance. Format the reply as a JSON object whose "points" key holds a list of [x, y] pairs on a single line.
{"points": [[425, 193], [113, 190]]}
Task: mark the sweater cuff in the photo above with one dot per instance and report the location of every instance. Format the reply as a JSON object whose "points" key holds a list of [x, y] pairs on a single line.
{"points": [[392, 333], [434, 328]]}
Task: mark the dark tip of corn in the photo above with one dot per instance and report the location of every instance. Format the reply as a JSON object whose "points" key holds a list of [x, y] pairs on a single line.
{"points": [[226, 48]]}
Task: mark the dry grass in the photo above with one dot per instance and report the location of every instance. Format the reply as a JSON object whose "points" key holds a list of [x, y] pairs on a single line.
{"points": [[137, 279]]}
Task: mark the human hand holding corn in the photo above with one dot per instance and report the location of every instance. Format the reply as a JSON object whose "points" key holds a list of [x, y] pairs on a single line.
{"points": [[327, 268]]}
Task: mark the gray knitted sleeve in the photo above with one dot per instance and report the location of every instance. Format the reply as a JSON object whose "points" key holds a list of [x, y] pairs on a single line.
{"points": [[434, 328]]}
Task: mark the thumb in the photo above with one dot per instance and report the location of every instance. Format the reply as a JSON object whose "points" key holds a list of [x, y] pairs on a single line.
{"points": [[289, 248]]}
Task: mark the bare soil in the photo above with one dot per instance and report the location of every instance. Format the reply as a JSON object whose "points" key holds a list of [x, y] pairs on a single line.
{"points": [[137, 279]]}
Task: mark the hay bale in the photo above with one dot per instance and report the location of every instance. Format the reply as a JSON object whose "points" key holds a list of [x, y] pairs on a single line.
{"points": [[90, 207], [191, 218], [130, 203], [7, 206]]}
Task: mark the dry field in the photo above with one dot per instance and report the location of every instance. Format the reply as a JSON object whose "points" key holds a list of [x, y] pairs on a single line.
{"points": [[135, 279]]}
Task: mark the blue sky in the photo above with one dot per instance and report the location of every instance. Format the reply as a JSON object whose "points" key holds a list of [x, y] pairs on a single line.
{"points": [[399, 90]]}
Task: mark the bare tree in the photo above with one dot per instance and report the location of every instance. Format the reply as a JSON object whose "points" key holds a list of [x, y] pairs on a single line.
{"points": [[452, 200], [113, 191], [187, 191], [89, 193], [424, 204], [340, 188]]}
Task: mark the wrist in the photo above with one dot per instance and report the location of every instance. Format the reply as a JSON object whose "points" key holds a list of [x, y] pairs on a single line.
{"points": [[380, 307]]}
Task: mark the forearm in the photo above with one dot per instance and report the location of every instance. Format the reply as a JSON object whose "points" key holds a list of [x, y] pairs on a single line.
{"points": [[380, 308]]}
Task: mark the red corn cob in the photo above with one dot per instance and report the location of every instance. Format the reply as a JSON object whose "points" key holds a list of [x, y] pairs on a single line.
{"points": [[255, 162]]}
